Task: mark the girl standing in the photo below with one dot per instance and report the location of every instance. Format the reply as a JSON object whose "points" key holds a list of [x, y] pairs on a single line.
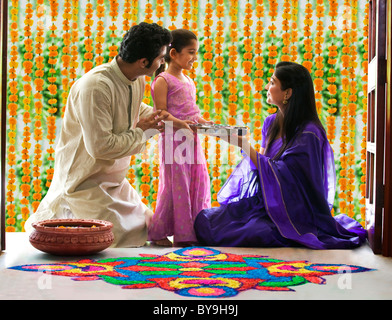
{"points": [[184, 184]]}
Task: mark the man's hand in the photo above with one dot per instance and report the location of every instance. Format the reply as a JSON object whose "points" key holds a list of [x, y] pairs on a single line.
{"points": [[153, 122]]}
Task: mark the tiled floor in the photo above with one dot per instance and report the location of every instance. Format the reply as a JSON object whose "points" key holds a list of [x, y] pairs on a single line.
{"points": [[18, 285]]}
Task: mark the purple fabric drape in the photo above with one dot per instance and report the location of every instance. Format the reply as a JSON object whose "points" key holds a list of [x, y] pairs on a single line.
{"points": [[286, 202]]}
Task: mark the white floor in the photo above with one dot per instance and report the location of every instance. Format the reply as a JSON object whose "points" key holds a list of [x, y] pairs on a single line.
{"points": [[19, 285]]}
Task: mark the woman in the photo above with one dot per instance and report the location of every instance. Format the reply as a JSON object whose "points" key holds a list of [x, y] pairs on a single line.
{"points": [[283, 195]]}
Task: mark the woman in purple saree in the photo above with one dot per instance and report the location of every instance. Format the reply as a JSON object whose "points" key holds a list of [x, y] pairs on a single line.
{"points": [[282, 196]]}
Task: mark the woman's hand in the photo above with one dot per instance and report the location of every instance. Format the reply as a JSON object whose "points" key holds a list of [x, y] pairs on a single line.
{"points": [[235, 140], [243, 143]]}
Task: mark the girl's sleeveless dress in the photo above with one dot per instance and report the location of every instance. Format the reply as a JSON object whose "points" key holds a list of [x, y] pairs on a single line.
{"points": [[184, 183]]}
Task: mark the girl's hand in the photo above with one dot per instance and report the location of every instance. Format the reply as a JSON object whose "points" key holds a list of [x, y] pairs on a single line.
{"points": [[184, 124], [204, 121]]}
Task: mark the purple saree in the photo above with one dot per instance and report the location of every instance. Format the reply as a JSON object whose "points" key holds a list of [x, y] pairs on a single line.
{"points": [[284, 203]]}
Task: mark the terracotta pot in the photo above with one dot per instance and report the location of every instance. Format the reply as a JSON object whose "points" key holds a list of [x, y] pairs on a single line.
{"points": [[71, 236]]}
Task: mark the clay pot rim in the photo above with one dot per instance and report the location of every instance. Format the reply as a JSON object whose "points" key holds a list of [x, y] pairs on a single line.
{"points": [[101, 225]]}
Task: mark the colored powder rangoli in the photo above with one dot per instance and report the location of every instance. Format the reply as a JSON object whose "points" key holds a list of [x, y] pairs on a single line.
{"points": [[197, 272]]}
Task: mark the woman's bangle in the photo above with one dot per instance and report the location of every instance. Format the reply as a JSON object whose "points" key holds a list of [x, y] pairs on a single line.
{"points": [[245, 146]]}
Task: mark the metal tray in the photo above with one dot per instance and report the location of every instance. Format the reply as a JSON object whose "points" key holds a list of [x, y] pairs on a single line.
{"points": [[219, 129]]}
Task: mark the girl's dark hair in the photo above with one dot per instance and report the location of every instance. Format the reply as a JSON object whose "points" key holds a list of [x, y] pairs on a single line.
{"points": [[181, 39], [144, 40], [301, 107]]}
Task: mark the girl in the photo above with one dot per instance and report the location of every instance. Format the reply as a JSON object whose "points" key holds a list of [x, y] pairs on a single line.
{"points": [[282, 196], [184, 185]]}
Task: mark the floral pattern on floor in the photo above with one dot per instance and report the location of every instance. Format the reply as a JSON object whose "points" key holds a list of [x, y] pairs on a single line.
{"points": [[197, 272]]}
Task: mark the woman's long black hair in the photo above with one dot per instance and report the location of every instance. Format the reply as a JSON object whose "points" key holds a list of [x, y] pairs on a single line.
{"points": [[301, 106]]}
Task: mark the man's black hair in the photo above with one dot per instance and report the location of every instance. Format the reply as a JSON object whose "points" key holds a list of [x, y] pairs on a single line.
{"points": [[144, 40]]}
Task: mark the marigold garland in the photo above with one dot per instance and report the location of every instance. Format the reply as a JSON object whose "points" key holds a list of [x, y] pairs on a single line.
{"points": [[113, 49], [364, 79], [127, 15], [286, 34], [160, 12], [308, 22], [99, 37], [51, 119], [187, 14], [319, 60], [294, 31], [346, 193], [218, 106], [88, 41], [194, 18], [147, 90], [207, 68], [272, 53], [27, 91], [219, 63], [155, 173], [38, 106], [148, 11], [247, 63], [258, 75], [233, 64], [12, 123], [134, 12], [332, 60], [352, 107], [272, 49], [146, 178], [173, 6], [74, 41], [131, 176], [66, 57]]}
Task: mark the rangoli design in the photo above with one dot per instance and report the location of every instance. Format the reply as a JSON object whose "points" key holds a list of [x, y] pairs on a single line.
{"points": [[197, 272]]}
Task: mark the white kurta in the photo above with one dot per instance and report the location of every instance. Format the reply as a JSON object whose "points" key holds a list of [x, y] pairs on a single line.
{"points": [[98, 137]]}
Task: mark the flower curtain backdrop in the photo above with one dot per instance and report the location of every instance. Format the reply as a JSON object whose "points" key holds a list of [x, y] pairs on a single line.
{"points": [[52, 43]]}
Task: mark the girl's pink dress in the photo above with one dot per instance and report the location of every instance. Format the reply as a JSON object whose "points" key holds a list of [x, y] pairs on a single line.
{"points": [[184, 183]]}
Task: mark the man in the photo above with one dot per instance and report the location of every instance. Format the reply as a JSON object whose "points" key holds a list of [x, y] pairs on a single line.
{"points": [[104, 123]]}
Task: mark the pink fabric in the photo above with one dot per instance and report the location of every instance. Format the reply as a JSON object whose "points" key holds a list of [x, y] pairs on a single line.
{"points": [[184, 183]]}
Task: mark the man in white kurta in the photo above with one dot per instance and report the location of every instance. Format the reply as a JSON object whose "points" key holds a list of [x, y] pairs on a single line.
{"points": [[93, 155], [104, 124]]}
